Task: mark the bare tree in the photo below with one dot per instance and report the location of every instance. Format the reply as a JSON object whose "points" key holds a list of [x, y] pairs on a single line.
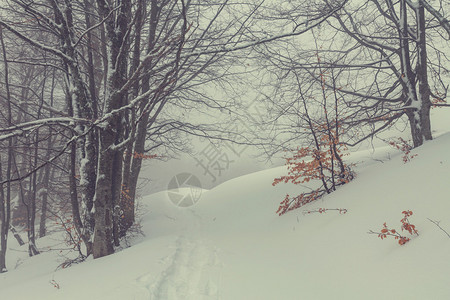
{"points": [[388, 61], [5, 197]]}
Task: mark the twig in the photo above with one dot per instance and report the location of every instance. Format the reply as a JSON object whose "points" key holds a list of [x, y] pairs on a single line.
{"points": [[323, 210], [439, 226]]}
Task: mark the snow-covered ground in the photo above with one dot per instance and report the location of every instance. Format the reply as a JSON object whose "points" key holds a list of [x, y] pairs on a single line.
{"points": [[232, 245]]}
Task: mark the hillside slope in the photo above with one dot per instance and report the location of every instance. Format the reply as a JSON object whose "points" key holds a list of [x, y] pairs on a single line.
{"points": [[232, 245]]}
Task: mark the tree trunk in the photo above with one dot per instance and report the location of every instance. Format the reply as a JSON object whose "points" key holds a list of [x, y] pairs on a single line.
{"points": [[408, 79], [422, 73], [109, 176], [32, 249], [116, 186], [102, 243], [44, 193], [16, 235], [5, 198], [74, 196], [141, 130], [126, 201], [139, 147], [3, 224], [46, 179]]}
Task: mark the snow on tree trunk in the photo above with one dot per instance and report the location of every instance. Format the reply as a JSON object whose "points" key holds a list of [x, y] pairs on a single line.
{"points": [[413, 102], [422, 73], [102, 242], [109, 173]]}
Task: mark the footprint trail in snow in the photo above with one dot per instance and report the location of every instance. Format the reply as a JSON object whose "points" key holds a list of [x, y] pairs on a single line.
{"points": [[193, 273]]}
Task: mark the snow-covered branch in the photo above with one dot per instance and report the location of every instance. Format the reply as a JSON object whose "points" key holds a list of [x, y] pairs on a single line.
{"points": [[36, 43], [319, 20], [21, 128], [442, 20]]}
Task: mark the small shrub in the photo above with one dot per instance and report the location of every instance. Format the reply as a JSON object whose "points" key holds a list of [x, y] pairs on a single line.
{"points": [[322, 159], [406, 226], [323, 163], [405, 147]]}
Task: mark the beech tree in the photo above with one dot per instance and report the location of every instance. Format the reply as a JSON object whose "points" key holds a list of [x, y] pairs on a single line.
{"points": [[403, 55], [388, 61]]}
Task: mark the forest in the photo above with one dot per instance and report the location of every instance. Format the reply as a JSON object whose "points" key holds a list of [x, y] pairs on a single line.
{"points": [[91, 90]]}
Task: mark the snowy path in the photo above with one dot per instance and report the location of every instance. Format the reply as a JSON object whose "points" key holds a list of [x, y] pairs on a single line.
{"points": [[192, 272]]}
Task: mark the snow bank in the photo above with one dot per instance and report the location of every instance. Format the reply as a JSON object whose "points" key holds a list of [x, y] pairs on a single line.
{"points": [[232, 245]]}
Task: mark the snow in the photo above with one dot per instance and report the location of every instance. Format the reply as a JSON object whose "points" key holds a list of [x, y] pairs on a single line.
{"points": [[83, 163], [41, 192], [232, 245]]}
